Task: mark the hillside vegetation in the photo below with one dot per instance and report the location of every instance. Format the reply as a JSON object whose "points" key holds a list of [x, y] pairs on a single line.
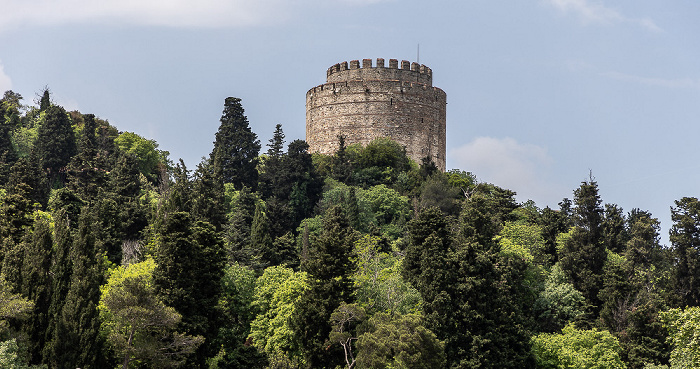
{"points": [[113, 256]]}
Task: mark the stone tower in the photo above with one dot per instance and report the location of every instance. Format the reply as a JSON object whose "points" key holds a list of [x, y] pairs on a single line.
{"points": [[368, 102]]}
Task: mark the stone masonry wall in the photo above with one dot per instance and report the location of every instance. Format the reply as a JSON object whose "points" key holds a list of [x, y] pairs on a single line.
{"points": [[372, 101]]}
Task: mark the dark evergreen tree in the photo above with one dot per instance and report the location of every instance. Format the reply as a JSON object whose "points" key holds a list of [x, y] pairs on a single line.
{"points": [[60, 272], [260, 239], [208, 202], [474, 298], [342, 167], [328, 264], [85, 174], [614, 231], [237, 232], [55, 145], [685, 243], [583, 254], [36, 285], [303, 184], [78, 325], [236, 147], [45, 100], [178, 194], [190, 262], [270, 180]]}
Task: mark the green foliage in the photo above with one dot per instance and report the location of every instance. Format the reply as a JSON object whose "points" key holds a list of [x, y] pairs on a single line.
{"points": [[237, 313], [11, 356], [398, 341], [137, 323], [575, 348], [150, 159], [278, 292], [190, 260], [236, 147], [685, 241], [377, 279], [328, 264], [683, 326], [55, 144], [583, 255], [559, 303]]}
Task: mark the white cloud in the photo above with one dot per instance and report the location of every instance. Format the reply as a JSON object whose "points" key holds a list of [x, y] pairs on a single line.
{"points": [[523, 168], [598, 13], [5, 81], [174, 13]]}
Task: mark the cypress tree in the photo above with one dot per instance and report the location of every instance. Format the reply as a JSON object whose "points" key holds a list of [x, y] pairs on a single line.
{"points": [[208, 202], [85, 174], [236, 147], [260, 239], [55, 145], [36, 285], [60, 272], [79, 342]]}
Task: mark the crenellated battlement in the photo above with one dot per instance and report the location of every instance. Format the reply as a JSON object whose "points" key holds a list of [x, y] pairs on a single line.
{"points": [[368, 70], [365, 99]]}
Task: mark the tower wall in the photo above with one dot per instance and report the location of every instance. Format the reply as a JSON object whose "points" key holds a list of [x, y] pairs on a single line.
{"points": [[365, 101]]}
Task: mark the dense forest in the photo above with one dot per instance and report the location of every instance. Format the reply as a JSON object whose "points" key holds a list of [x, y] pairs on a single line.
{"points": [[113, 256]]}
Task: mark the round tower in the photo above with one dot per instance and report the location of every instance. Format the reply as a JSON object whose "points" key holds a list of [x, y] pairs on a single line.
{"points": [[365, 102]]}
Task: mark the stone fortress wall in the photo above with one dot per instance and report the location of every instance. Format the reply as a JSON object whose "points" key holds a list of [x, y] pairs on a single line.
{"points": [[365, 102]]}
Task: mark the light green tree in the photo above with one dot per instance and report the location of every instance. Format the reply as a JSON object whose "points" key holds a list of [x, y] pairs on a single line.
{"points": [[577, 349], [277, 293], [683, 327], [138, 324]]}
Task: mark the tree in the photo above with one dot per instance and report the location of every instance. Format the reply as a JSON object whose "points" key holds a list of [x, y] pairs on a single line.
{"points": [[328, 266], [236, 147], [137, 323], [342, 321], [55, 145], [278, 295], [208, 194], [190, 261], [237, 313], [685, 243], [36, 283], [683, 326], [85, 174], [150, 158], [269, 178], [398, 341], [574, 348], [583, 256], [260, 239], [79, 324]]}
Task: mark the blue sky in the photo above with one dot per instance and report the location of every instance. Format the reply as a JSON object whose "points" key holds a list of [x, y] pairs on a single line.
{"points": [[539, 92]]}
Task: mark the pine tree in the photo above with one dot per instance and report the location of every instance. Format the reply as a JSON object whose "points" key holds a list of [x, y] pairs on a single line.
{"points": [[236, 147]]}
